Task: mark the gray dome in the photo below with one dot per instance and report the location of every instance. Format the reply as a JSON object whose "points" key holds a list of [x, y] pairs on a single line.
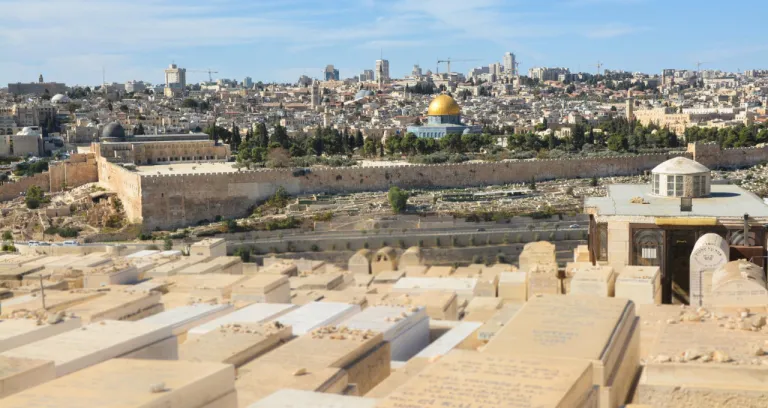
{"points": [[113, 130], [363, 93]]}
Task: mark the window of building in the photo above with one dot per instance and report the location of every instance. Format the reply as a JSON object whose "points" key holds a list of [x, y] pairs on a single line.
{"points": [[647, 247], [697, 186], [656, 178], [670, 185], [679, 186]]}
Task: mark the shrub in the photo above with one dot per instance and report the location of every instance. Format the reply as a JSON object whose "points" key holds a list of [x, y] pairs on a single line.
{"points": [[167, 244], [326, 216], [7, 236], [501, 258], [477, 259], [244, 254], [314, 248], [153, 248], [398, 199]]}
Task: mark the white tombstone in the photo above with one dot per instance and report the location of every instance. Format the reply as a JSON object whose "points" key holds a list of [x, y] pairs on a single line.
{"points": [[710, 253], [738, 283]]}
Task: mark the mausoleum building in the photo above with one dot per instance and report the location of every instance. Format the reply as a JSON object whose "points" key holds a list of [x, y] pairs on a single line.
{"points": [[658, 224]]}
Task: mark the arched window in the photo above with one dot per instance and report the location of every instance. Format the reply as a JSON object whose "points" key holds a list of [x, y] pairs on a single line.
{"points": [[647, 247]]}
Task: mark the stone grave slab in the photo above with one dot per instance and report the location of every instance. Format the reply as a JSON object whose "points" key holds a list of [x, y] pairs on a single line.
{"points": [[405, 328], [641, 284], [416, 271], [492, 326], [252, 314], [449, 340], [263, 288], [271, 377], [603, 331], [118, 305], [281, 268], [439, 305], [234, 343], [18, 332], [18, 374], [129, 383], [325, 281], [470, 379], [463, 287], [439, 271], [401, 374], [594, 280], [206, 286], [302, 297], [537, 253], [77, 349], [114, 274], [55, 301], [481, 308], [349, 295], [388, 277], [709, 253], [316, 314], [288, 398], [543, 280], [737, 284], [181, 319], [513, 286], [170, 269]]}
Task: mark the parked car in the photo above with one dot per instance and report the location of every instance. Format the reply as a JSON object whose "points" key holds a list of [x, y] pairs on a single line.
{"points": [[574, 226], [69, 243]]}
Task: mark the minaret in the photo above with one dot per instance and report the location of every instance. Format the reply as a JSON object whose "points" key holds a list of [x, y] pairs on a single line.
{"points": [[40, 79], [315, 94], [630, 106]]}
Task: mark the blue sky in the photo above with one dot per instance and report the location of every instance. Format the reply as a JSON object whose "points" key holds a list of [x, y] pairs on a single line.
{"points": [[278, 40]]}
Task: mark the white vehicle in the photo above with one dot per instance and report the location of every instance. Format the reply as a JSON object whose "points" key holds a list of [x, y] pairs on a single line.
{"points": [[69, 243], [33, 243]]}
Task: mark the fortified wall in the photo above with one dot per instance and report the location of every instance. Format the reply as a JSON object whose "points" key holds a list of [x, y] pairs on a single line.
{"points": [[125, 183], [79, 169], [184, 199]]}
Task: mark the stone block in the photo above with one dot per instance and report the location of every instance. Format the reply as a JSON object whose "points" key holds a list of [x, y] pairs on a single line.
{"points": [[252, 314], [738, 284], [465, 378], [440, 271], [439, 305], [55, 301], [263, 288], [449, 340], [513, 286], [388, 277], [593, 281], [77, 349], [235, 343], [271, 377], [206, 286], [405, 328], [464, 287], [134, 383], [543, 280], [581, 253], [297, 398], [316, 314], [641, 284], [18, 332], [118, 304], [181, 319], [497, 321], [18, 374], [537, 253]]}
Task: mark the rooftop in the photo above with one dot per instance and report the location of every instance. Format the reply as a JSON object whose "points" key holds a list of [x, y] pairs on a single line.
{"points": [[726, 200]]}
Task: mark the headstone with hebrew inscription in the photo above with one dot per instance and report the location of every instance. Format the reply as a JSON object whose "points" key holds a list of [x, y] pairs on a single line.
{"points": [[640, 284], [534, 253], [738, 283], [710, 252], [593, 281]]}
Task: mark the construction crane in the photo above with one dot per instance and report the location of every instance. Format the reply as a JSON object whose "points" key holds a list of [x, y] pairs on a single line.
{"points": [[599, 65], [448, 61], [698, 67], [210, 73]]}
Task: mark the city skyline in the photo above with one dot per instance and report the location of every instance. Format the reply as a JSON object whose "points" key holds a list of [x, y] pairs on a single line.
{"points": [[282, 40]]}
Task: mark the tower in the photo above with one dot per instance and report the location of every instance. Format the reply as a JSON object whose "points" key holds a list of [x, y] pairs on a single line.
{"points": [[315, 94], [510, 65], [40, 79], [630, 106]]}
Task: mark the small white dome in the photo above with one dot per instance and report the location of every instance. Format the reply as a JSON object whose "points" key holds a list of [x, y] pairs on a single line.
{"points": [[680, 165], [60, 98]]}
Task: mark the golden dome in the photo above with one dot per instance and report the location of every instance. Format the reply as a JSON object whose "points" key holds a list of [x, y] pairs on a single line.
{"points": [[443, 105]]}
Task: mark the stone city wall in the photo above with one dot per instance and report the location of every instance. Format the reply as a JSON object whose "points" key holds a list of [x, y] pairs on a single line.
{"points": [[9, 191], [185, 199], [126, 184], [78, 170]]}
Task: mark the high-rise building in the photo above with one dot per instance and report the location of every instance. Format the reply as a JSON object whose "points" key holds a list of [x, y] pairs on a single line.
{"points": [[248, 82], [382, 70], [509, 63], [175, 75], [416, 71], [495, 69], [331, 73], [366, 75]]}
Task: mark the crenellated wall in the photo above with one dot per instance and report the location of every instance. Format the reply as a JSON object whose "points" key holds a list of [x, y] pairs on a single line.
{"points": [[183, 199], [126, 184], [78, 170]]}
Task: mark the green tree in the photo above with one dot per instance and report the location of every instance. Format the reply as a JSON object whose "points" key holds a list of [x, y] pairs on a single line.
{"points": [[398, 199], [7, 236], [594, 182], [532, 184], [359, 140], [167, 244], [34, 197], [189, 103]]}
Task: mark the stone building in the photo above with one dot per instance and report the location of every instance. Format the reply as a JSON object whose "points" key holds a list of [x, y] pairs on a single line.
{"points": [[659, 224], [116, 146]]}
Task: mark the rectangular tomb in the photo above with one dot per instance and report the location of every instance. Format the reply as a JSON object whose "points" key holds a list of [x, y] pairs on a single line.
{"points": [[256, 313], [406, 328], [77, 349], [471, 379], [181, 319], [641, 284], [288, 398], [235, 343], [130, 384], [18, 374], [316, 314], [18, 332], [263, 288], [120, 304]]}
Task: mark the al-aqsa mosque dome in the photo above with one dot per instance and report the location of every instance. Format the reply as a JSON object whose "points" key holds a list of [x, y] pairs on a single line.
{"points": [[443, 118]]}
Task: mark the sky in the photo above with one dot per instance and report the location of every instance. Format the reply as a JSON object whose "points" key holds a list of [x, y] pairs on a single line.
{"points": [[71, 41]]}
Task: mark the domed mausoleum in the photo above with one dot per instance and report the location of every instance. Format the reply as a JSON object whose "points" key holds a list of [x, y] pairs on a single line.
{"points": [[443, 117], [113, 131], [680, 177]]}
